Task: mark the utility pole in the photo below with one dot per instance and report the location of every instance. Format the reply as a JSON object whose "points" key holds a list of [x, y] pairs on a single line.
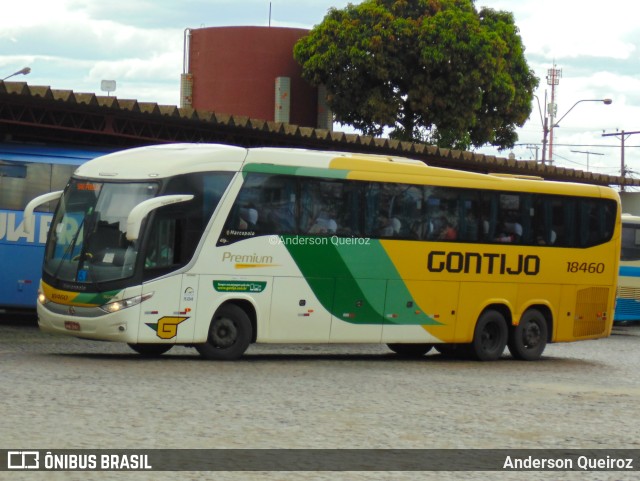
{"points": [[536, 148], [623, 136]]}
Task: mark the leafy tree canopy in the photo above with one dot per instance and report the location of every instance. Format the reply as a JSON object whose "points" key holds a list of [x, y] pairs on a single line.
{"points": [[435, 71]]}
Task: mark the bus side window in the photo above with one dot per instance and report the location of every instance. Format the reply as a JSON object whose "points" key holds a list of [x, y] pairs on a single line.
{"points": [[542, 222], [630, 242], [320, 202], [177, 229], [407, 208], [279, 196], [161, 246], [383, 211], [266, 204], [351, 214], [470, 227], [509, 218], [21, 182], [246, 217]]}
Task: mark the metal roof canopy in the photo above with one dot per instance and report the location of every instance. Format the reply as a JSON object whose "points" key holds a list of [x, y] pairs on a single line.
{"points": [[42, 115]]}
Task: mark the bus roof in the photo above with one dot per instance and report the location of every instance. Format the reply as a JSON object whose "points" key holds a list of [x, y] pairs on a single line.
{"points": [[166, 160]]}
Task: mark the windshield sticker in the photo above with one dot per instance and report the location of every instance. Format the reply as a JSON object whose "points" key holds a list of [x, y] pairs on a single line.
{"points": [[239, 286]]}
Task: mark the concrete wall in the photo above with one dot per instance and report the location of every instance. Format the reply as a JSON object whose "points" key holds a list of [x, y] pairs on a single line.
{"points": [[630, 202]]}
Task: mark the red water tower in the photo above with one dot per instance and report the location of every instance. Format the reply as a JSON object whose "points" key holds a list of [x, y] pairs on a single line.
{"points": [[250, 71]]}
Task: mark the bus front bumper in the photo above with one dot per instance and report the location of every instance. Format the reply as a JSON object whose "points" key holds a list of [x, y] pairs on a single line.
{"points": [[79, 322]]}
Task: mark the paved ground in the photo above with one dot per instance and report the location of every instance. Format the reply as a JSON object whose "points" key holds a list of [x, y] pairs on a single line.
{"points": [[60, 392]]}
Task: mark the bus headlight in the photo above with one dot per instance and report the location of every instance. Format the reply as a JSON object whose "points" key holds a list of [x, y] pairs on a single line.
{"points": [[42, 299], [116, 306]]}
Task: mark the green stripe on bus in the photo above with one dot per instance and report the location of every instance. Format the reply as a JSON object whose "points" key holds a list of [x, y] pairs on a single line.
{"points": [[300, 171], [96, 299], [359, 292]]}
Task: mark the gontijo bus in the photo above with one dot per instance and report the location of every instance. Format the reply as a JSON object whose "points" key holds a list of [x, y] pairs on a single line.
{"points": [[218, 247], [628, 294]]}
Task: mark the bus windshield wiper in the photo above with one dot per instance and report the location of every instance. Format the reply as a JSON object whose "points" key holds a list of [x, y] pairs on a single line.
{"points": [[70, 248]]}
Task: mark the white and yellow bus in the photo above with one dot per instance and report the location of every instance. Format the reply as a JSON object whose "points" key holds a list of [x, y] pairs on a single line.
{"points": [[218, 247], [628, 297]]}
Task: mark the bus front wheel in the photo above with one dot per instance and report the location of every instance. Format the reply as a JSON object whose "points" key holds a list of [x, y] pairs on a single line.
{"points": [[410, 350], [490, 336], [528, 339], [229, 334]]}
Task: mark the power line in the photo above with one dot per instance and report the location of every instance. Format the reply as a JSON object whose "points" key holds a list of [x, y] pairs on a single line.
{"points": [[588, 153], [623, 137], [525, 144]]}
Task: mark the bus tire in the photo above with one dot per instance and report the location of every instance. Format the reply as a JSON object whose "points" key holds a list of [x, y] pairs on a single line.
{"points": [[528, 339], [410, 350], [151, 350], [229, 334], [490, 336]]}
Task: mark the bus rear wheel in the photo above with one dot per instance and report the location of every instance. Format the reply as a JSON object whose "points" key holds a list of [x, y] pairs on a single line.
{"points": [[528, 339], [151, 350], [490, 336], [229, 334], [410, 350]]}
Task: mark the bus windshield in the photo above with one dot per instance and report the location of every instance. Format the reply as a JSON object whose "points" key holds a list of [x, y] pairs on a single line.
{"points": [[87, 242]]}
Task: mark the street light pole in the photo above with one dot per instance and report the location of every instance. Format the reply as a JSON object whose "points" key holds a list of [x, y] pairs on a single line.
{"points": [[556, 123], [23, 71], [586, 152]]}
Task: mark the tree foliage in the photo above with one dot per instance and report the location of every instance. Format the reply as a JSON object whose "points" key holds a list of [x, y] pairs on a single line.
{"points": [[436, 71]]}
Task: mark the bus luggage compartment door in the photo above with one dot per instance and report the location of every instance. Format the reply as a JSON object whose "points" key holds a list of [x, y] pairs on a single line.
{"points": [[297, 314], [418, 311], [357, 310]]}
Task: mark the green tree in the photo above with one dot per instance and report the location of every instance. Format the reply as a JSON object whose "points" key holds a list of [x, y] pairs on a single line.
{"points": [[435, 71]]}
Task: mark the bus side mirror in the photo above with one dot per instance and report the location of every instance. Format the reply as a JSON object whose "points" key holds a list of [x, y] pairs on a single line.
{"points": [[31, 206], [139, 212]]}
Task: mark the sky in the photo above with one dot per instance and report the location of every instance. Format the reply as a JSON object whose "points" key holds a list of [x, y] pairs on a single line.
{"points": [[75, 44]]}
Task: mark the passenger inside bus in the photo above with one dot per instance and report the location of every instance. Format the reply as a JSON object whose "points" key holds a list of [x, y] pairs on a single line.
{"points": [[503, 234], [324, 224], [448, 231], [546, 239], [389, 227], [248, 218], [513, 228]]}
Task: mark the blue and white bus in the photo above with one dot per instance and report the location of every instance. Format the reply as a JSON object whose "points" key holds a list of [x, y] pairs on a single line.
{"points": [[27, 171], [628, 293]]}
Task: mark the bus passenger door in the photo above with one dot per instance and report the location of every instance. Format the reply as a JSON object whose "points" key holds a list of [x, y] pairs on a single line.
{"points": [[357, 310], [420, 311], [297, 314]]}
